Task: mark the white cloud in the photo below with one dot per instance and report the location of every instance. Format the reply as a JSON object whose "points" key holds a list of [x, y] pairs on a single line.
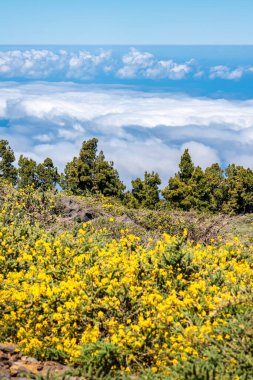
{"points": [[133, 157], [45, 64], [169, 69], [83, 65], [138, 64], [44, 138], [224, 72], [138, 131], [30, 63], [137, 58], [111, 108]]}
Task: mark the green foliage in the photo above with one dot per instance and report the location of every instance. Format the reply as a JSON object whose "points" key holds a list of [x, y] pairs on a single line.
{"points": [[100, 355], [43, 176], [27, 172], [186, 167], [79, 172], [106, 178], [215, 190], [216, 187], [239, 190], [71, 278], [178, 194], [48, 176], [145, 193], [7, 170], [91, 173]]}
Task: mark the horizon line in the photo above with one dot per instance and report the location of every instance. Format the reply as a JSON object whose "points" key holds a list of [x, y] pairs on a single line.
{"points": [[124, 44]]}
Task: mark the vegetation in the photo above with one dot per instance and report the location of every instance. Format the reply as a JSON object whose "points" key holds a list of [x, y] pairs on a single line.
{"points": [[91, 173], [145, 193], [112, 303], [7, 158], [214, 190], [127, 284]]}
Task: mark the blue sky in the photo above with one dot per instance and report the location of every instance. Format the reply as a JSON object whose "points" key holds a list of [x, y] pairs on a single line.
{"points": [[126, 22], [63, 80]]}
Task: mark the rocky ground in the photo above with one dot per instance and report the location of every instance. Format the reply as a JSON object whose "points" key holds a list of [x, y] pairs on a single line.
{"points": [[13, 365]]}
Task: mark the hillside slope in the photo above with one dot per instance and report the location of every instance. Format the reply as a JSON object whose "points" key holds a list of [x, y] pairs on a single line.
{"points": [[121, 293]]}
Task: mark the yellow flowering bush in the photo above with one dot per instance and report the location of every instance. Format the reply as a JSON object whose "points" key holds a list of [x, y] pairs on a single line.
{"points": [[171, 307]]}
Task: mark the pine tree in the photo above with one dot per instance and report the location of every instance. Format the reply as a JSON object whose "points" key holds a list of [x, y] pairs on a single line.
{"points": [[239, 190], [27, 172], [47, 175], [179, 192], [91, 173], [215, 183], [145, 192], [186, 166], [78, 177], [7, 158], [200, 194], [88, 156], [106, 178], [151, 188]]}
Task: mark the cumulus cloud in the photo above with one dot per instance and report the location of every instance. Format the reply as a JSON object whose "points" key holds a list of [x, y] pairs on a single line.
{"points": [[224, 72], [139, 131], [46, 64], [84, 65], [138, 64], [105, 65]]}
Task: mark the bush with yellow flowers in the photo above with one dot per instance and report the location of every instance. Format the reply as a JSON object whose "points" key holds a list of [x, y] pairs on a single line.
{"points": [[171, 308]]}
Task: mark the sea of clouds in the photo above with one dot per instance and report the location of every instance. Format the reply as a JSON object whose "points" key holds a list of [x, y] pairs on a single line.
{"points": [[137, 130]]}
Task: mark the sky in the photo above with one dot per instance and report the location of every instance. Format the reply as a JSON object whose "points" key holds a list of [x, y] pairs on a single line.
{"points": [[147, 78], [126, 22]]}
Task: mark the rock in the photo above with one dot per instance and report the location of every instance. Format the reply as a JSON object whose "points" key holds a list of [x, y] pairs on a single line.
{"points": [[4, 357], [124, 218], [8, 347], [22, 367], [4, 374], [54, 367], [29, 359], [14, 365]]}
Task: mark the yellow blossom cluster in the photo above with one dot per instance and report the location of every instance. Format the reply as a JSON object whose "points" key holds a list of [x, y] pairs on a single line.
{"points": [[160, 305]]}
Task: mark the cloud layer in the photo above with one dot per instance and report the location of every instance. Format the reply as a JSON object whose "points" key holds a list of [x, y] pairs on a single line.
{"points": [[104, 64], [139, 131]]}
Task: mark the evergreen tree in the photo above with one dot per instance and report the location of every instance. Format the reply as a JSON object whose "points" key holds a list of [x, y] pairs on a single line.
{"points": [[27, 172], [47, 174], [239, 190], [106, 178], [179, 192], [79, 172], [70, 178], [130, 201], [145, 192], [7, 169], [200, 194], [186, 167], [88, 156], [91, 173], [216, 187], [151, 188]]}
